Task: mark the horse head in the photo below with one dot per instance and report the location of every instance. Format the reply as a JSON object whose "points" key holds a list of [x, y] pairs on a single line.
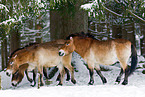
{"points": [[10, 65], [67, 48], [18, 75]]}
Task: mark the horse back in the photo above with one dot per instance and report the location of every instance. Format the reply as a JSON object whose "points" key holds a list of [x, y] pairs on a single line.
{"points": [[109, 51]]}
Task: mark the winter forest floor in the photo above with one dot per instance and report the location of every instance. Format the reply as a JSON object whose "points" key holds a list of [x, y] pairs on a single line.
{"points": [[135, 88]]}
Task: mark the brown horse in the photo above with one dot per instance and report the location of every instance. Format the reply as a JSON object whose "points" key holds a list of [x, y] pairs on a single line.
{"points": [[43, 55], [96, 52], [19, 75]]}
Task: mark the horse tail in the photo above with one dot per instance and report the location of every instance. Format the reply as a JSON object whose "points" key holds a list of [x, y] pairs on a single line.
{"points": [[133, 59]]}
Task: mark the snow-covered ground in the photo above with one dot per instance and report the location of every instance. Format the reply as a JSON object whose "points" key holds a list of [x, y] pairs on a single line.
{"points": [[135, 88]]}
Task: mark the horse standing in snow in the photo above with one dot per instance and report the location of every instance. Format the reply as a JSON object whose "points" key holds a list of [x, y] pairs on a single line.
{"points": [[42, 55], [96, 52]]}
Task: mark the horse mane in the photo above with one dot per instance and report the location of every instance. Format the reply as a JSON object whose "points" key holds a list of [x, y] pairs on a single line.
{"points": [[30, 44], [82, 35]]}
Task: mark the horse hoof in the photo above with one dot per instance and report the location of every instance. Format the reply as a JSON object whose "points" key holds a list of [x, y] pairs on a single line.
{"points": [[118, 80], [67, 79], [104, 81], [59, 84], [41, 84], [91, 83], [124, 82], [73, 81], [33, 84]]}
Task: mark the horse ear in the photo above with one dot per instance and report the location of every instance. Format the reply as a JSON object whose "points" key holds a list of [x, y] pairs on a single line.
{"points": [[15, 56], [71, 38]]}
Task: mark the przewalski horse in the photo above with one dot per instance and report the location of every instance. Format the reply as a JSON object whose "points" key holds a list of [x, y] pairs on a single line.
{"points": [[43, 55], [96, 52], [18, 76]]}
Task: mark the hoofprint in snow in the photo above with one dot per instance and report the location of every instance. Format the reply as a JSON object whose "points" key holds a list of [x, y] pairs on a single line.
{"points": [[135, 87]]}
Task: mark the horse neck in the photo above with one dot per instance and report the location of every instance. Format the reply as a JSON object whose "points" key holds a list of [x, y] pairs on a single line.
{"points": [[24, 57], [82, 46]]}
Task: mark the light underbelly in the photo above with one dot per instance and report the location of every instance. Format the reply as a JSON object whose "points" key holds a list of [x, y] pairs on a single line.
{"points": [[107, 61]]}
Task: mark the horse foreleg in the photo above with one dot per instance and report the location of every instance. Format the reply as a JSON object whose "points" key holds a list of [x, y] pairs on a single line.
{"points": [[71, 69], [119, 77], [68, 75], [40, 70], [91, 71], [34, 78], [29, 79], [62, 73], [101, 76], [45, 72]]}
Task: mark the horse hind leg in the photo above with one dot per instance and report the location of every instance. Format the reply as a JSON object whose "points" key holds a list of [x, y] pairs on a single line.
{"points": [[119, 77], [91, 72], [125, 82], [97, 68]]}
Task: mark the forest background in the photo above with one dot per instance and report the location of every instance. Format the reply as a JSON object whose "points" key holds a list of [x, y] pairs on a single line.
{"points": [[27, 21]]}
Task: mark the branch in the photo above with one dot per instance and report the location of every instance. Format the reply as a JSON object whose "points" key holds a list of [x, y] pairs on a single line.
{"points": [[136, 16], [111, 11]]}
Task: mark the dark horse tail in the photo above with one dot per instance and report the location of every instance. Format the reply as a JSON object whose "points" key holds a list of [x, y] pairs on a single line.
{"points": [[133, 60]]}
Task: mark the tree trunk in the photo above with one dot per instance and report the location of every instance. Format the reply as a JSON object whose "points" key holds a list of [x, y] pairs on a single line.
{"points": [[116, 31], [62, 23], [142, 42], [4, 49], [128, 31], [14, 39]]}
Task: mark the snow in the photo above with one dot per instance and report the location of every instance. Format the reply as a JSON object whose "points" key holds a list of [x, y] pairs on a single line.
{"points": [[135, 88], [4, 7]]}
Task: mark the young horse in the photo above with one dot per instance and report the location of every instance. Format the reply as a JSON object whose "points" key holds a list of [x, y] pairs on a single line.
{"points": [[96, 52], [43, 55]]}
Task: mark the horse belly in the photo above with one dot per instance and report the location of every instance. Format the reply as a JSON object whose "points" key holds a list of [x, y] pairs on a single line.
{"points": [[107, 59]]}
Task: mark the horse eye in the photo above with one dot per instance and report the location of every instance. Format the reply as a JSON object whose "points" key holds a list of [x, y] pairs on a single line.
{"points": [[11, 63]]}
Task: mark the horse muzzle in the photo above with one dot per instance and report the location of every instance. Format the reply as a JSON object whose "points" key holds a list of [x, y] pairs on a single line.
{"points": [[14, 83], [61, 53]]}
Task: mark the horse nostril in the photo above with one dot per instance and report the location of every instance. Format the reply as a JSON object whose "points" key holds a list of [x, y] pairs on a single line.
{"points": [[59, 53], [7, 74], [13, 84]]}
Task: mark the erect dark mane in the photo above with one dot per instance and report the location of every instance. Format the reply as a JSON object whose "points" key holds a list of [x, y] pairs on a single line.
{"points": [[82, 34], [30, 44]]}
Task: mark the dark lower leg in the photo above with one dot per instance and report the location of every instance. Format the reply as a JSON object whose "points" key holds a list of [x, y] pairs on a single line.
{"points": [[68, 75], [101, 76], [45, 72], [41, 80], [61, 77], [29, 79], [119, 77], [125, 82], [91, 77], [34, 78]]}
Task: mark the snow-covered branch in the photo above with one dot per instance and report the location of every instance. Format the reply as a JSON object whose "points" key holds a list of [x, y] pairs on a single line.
{"points": [[136, 16], [114, 13], [7, 21], [3, 7]]}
